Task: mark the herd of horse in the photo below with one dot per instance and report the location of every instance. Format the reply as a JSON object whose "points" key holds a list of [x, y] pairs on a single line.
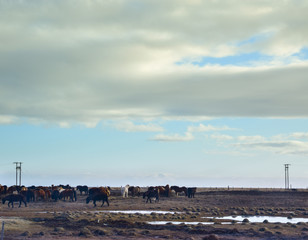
{"points": [[24, 194]]}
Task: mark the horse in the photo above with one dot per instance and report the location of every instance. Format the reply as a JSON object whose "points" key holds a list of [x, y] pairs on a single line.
{"points": [[47, 194], [13, 189], [97, 190], [83, 188], [39, 194], [134, 190], [68, 193], [98, 197], [191, 192], [178, 190], [14, 198], [28, 194], [151, 194], [124, 191], [3, 189], [55, 195], [67, 186], [163, 190]]}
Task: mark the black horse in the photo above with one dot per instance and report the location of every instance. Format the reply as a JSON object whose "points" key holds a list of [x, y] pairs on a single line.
{"points": [[98, 197], [151, 194], [191, 192], [83, 188], [14, 198], [55, 195], [28, 194]]}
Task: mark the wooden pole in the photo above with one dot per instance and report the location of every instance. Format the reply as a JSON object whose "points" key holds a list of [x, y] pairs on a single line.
{"points": [[2, 231]]}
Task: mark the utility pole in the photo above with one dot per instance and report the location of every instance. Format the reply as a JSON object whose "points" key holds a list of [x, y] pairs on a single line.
{"points": [[286, 176], [18, 172]]}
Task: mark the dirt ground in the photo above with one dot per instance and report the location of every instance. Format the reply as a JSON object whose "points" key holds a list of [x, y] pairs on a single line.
{"points": [[72, 220]]}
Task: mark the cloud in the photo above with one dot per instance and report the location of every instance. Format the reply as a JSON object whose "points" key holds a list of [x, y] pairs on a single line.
{"points": [[128, 126], [79, 61], [173, 138], [7, 119], [279, 145], [204, 128], [222, 137], [251, 138], [300, 135]]}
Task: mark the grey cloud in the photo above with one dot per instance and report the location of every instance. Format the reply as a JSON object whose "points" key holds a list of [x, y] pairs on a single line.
{"points": [[77, 61]]}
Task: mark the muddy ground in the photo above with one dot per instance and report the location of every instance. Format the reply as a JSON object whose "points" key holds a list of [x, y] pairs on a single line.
{"points": [[72, 220]]}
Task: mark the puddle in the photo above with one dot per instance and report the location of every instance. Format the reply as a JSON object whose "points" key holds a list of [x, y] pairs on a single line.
{"points": [[187, 223], [13, 221], [260, 219], [135, 212], [9, 219], [143, 212]]}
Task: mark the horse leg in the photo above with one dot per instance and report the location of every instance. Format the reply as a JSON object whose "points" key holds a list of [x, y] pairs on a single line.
{"points": [[19, 203], [107, 202], [94, 202]]}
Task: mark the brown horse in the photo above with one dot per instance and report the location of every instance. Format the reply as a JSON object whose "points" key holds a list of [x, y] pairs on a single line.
{"points": [[39, 194], [47, 195], [163, 190], [14, 198], [135, 191], [3, 189], [68, 194]]}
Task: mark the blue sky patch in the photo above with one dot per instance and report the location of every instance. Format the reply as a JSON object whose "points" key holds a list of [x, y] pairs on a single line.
{"points": [[254, 39], [302, 54], [246, 59]]}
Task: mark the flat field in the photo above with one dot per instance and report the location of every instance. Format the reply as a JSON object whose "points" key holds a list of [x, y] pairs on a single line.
{"points": [[175, 217]]}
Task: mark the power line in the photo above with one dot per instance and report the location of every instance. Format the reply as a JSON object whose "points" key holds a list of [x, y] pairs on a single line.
{"points": [[18, 173], [286, 176]]}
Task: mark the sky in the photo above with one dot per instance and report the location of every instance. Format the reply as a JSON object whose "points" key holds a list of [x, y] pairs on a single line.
{"points": [[146, 92]]}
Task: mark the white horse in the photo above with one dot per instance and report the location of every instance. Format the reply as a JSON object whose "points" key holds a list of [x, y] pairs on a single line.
{"points": [[124, 191]]}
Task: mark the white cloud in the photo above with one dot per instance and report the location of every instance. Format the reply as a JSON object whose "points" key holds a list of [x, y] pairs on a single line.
{"points": [[251, 138], [280, 147], [173, 138], [222, 137], [7, 119], [128, 126], [300, 135], [208, 128]]}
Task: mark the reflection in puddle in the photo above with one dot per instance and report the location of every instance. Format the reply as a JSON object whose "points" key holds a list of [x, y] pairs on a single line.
{"points": [[178, 223], [259, 219]]}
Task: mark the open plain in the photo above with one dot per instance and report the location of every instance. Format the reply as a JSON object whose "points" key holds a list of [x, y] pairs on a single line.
{"points": [[174, 217]]}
